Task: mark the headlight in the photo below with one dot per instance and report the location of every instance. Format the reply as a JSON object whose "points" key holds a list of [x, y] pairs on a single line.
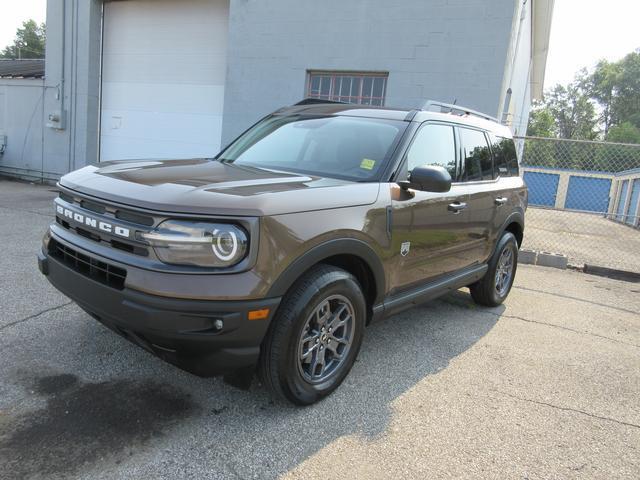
{"points": [[198, 243]]}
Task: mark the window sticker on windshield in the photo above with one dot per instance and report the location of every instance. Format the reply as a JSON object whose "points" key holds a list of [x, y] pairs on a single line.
{"points": [[367, 164]]}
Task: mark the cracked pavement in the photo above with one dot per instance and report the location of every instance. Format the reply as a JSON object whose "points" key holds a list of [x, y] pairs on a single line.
{"points": [[546, 386]]}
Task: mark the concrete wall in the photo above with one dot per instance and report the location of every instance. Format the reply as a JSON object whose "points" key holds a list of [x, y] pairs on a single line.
{"points": [[21, 113], [72, 83], [39, 148], [438, 49]]}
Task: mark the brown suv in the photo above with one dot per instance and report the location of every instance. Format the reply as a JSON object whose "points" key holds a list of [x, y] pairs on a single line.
{"points": [[317, 221]]}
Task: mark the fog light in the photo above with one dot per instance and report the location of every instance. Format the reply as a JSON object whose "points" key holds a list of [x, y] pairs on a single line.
{"points": [[218, 324]]}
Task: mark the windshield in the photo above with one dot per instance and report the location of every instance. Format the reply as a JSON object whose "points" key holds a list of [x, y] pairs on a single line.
{"points": [[342, 147]]}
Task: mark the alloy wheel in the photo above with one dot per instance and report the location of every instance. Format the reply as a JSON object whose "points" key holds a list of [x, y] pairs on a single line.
{"points": [[326, 339]]}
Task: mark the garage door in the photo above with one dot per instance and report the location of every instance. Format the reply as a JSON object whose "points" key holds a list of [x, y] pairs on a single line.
{"points": [[543, 188], [588, 194], [632, 216], [163, 72], [622, 201]]}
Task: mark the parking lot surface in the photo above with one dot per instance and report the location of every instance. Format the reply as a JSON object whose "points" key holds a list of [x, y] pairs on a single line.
{"points": [[584, 238], [545, 386]]}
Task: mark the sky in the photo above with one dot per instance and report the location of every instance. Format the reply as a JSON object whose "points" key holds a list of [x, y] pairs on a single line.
{"points": [[583, 31], [14, 12]]}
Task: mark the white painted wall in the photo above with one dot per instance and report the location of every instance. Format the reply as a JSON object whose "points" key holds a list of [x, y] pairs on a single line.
{"points": [[164, 68], [518, 70], [21, 122]]}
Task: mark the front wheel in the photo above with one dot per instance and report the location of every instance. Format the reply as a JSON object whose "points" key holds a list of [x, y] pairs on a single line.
{"points": [[494, 287], [315, 337]]}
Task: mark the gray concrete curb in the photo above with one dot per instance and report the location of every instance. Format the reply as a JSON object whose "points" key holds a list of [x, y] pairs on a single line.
{"points": [[612, 273], [555, 260], [544, 259]]}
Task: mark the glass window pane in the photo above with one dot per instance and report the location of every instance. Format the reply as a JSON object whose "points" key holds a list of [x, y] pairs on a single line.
{"points": [[342, 147], [504, 157], [314, 85], [355, 87], [363, 89], [477, 157], [433, 145], [367, 87], [378, 84], [325, 85]]}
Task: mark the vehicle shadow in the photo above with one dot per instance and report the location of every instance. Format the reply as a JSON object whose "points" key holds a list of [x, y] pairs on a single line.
{"points": [[112, 406]]}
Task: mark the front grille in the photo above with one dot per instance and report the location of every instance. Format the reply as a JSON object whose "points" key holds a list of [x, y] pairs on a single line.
{"points": [[135, 221], [102, 272]]}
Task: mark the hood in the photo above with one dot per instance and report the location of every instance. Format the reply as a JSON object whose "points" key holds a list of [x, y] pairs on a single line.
{"points": [[209, 187]]}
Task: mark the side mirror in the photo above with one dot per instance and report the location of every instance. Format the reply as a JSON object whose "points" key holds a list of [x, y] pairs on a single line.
{"points": [[429, 178]]}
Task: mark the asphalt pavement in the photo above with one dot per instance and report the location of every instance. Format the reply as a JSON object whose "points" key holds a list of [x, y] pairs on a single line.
{"points": [[545, 386]]}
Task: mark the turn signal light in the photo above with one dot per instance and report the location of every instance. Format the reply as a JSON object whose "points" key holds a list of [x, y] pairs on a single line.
{"points": [[261, 314]]}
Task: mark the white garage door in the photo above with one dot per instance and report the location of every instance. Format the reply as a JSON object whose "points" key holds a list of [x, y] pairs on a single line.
{"points": [[163, 72]]}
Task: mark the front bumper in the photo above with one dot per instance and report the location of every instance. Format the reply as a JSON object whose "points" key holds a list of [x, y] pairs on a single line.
{"points": [[183, 332]]}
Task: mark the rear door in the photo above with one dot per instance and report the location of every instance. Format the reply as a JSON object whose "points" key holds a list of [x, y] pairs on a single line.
{"points": [[481, 187], [508, 188], [429, 235]]}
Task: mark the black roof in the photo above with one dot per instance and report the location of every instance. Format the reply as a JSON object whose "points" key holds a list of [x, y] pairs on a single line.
{"points": [[28, 68]]}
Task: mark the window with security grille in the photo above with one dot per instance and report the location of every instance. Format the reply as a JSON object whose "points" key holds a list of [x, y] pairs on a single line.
{"points": [[359, 88]]}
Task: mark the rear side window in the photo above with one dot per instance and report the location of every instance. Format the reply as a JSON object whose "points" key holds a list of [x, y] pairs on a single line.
{"points": [[434, 144], [504, 156], [478, 164]]}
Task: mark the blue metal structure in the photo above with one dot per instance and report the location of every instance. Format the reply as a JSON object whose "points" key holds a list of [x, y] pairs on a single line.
{"points": [[622, 202], [589, 194], [632, 215], [543, 188]]}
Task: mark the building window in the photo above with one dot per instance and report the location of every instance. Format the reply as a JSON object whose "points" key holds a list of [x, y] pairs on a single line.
{"points": [[360, 88]]}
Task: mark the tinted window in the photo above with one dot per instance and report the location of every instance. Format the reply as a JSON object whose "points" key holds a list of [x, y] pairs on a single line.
{"points": [[341, 147], [478, 164], [505, 157], [434, 145]]}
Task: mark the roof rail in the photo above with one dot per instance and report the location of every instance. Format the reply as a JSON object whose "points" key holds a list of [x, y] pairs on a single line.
{"points": [[457, 108], [317, 101]]}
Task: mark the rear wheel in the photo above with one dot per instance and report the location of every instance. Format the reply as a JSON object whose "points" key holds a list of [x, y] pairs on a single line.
{"points": [[315, 336], [495, 286]]}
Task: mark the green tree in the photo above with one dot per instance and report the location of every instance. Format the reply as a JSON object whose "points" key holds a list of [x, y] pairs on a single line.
{"points": [[626, 104], [615, 86], [626, 132], [603, 88], [574, 113], [541, 122], [29, 42]]}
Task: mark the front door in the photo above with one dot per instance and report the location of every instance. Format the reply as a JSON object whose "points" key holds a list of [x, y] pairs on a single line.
{"points": [[429, 230]]}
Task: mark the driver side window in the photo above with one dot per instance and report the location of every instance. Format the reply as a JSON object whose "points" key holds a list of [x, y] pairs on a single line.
{"points": [[434, 144]]}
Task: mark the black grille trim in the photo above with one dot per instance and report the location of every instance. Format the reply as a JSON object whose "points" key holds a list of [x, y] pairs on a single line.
{"points": [[87, 266]]}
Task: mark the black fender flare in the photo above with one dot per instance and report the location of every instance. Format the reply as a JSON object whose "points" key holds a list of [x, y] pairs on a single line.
{"points": [[318, 253], [515, 217]]}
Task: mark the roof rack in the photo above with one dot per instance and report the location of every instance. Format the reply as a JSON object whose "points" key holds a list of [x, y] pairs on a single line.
{"points": [[456, 108], [317, 101]]}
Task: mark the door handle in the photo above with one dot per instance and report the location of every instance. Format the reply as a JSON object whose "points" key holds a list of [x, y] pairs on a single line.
{"points": [[500, 201], [456, 207]]}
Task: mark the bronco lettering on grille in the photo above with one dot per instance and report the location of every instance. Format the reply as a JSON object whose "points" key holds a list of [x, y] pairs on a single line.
{"points": [[92, 222]]}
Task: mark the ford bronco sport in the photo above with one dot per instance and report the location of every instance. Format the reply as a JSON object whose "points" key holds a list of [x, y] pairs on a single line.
{"points": [[276, 254]]}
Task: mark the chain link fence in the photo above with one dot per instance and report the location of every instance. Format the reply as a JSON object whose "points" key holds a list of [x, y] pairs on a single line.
{"points": [[584, 200]]}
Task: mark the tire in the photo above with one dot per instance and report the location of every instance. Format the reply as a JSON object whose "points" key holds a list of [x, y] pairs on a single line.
{"points": [[320, 294], [490, 291]]}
